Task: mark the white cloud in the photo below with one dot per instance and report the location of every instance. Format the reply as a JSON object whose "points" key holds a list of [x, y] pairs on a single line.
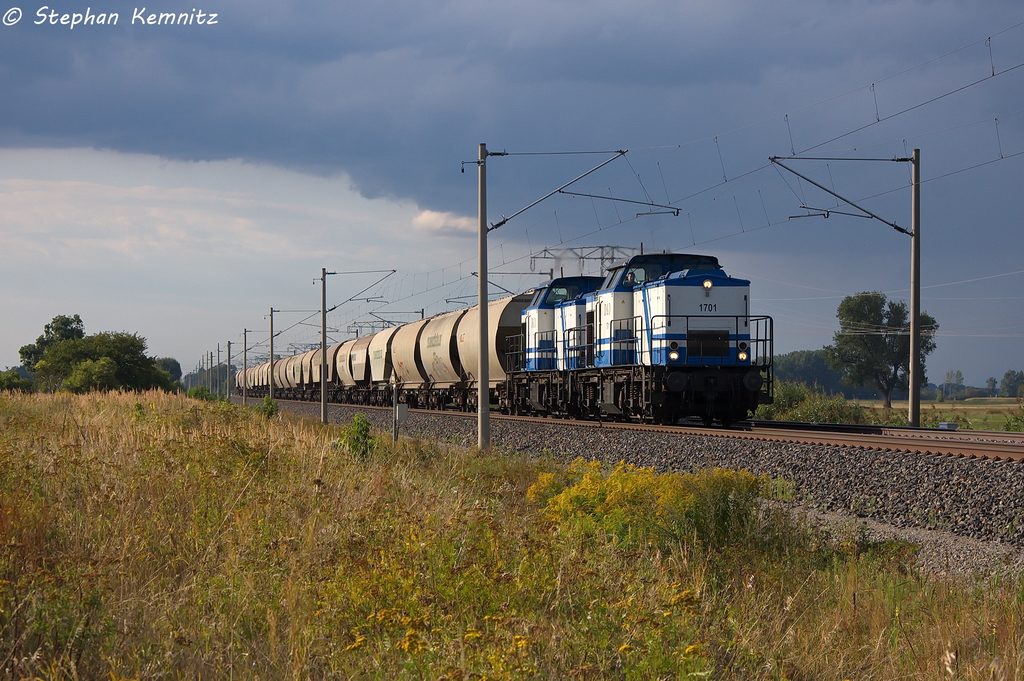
{"points": [[144, 239], [445, 224]]}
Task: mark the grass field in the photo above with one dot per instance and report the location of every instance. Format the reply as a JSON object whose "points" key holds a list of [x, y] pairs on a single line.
{"points": [[798, 402], [150, 536], [978, 413]]}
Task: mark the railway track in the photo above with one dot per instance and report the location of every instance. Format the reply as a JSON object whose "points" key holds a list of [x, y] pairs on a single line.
{"points": [[989, 445], [969, 444]]}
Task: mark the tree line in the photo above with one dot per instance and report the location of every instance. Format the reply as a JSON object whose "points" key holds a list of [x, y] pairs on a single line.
{"points": [[810, 368], [65, 358]]}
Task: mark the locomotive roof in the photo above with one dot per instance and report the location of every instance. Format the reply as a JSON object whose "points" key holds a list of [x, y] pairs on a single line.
{"points": [[674, 262]]}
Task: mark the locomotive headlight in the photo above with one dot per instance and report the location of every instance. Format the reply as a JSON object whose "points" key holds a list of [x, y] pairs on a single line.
{"points": [[742, 356], [673, 355], [707, 287]]}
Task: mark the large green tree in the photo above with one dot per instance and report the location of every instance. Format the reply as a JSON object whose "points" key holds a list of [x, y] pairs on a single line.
{"points": [[171, 366], [1011, 384], [872, 346], [59, 329], [75, 364]]}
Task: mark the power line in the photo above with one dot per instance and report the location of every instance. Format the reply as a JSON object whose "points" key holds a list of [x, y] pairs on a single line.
{"points": [[732, 183]]}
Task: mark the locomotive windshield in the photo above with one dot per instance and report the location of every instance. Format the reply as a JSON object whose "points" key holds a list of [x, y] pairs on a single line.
{"points": [[644, 268], [557, 294], [613, 274], [565, 288]]}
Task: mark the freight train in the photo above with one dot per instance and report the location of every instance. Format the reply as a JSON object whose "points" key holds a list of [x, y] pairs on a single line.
{"points": [[662, 337]]}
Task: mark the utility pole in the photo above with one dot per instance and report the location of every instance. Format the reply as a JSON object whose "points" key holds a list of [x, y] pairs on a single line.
{"points": [[323, 343], [914, 361], [484, 394], [245, 365], [271, 353], [483, 408], [213, 386], [219, 380], [227, 387], [914, 384]]}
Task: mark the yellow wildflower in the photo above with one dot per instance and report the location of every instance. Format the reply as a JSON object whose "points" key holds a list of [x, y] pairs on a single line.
{"points": [[360, 640]]}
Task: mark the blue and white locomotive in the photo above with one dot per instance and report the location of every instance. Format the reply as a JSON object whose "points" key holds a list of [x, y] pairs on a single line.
{"points": [[662, 337]]}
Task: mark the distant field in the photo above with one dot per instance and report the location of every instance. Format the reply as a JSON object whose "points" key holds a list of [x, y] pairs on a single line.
{"points": [[980, 413]]}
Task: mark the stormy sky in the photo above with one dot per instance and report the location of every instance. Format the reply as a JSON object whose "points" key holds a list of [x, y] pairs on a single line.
{"points": [[179, 179]]}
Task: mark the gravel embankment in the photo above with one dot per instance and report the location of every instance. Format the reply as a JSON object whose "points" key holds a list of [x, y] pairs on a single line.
{"points": [[967, 515]]}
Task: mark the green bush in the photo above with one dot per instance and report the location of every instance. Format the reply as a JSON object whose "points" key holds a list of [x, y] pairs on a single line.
{"points": [[787, 396], [818, 408], [798, 402], [933, 419], [357, 437], [89, 375], [1015, 422], [200, 392], [268, 408]]}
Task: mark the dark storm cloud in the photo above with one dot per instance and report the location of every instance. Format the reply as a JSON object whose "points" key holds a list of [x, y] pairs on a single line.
{"points": [[396, 94]]}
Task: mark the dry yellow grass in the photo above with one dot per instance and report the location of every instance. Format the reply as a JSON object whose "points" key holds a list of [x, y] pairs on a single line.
{"points": [[146, 536]]}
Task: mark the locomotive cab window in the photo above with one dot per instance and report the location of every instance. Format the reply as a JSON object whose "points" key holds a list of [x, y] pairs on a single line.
{"points": [[557, 294], [636, 276], [609, 281]]}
